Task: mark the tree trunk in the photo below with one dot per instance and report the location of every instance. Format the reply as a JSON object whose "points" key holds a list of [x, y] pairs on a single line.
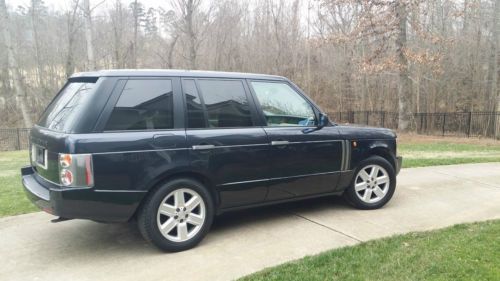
{"points": [[191, 34], [171, 51], [404, 84], [136, 29], [36, 39], [89, 35], [70, 64], [117, 21], [12, 64], [494, 69]]}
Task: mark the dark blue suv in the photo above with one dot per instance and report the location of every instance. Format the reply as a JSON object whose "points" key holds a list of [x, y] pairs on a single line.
{"points": [[171, 149]]}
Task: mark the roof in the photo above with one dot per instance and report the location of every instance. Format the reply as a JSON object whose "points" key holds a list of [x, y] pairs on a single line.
{"points": [[174, 72]]}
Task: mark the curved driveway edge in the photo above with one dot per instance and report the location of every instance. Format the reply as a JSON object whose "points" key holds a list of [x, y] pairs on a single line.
{"points": [[32, 248]]}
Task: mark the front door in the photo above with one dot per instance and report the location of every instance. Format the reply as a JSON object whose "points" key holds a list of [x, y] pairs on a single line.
{"points": [[225, 144], [302, 162]]}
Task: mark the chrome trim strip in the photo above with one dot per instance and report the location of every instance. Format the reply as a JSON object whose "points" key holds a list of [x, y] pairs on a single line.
{"points": [[280, 178], [348, 155], [242, 182], [138, 151], [342, 163], [241, 145], [320, 141], [217, 146], [130, 191]]}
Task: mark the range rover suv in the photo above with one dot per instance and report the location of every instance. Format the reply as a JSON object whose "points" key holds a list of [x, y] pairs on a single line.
{"points": [[172, 149]]}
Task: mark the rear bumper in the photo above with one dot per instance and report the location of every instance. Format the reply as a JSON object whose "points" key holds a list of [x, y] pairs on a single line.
{"points": [[399, 163], [80, 203]]}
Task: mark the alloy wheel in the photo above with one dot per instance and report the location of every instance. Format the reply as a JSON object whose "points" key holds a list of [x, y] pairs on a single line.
{"points": [[372, 183], [181, 215]]}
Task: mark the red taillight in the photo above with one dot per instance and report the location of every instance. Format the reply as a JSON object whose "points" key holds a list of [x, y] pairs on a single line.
{"points": [[66, 177], [89, 174], [75, 170]]}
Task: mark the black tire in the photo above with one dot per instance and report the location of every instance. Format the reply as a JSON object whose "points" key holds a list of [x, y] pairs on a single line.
{"points": [[350, 193], [147, 216]]}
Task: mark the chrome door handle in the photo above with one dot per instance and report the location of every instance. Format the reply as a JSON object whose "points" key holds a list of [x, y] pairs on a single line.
{"points": [[203, 147], [279, 143]]}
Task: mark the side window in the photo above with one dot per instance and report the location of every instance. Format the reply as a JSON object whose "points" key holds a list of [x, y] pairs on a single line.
{"points": [[143, 104], [282, 105], [195, 114], [226, 103]]}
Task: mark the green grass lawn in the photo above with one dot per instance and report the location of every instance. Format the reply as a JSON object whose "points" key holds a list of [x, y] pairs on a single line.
{"points": [[461, 252], [12, 198], [13, 201], [446, 153]]}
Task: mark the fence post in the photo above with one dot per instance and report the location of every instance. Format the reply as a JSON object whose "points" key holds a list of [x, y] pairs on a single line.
{"points": [[18, 147], [421, 122], [470, 124], [366, 113], [383, 119], [444, 121]]}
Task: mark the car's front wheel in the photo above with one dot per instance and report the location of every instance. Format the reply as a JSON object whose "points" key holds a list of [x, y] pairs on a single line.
{"points": [[373, 184], [177, 215]]}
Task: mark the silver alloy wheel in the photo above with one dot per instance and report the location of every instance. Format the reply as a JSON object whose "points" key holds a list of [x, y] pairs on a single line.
{"points": [[372, 183], [181, 215]]}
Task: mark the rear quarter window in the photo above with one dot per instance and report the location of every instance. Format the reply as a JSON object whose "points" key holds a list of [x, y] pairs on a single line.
{"points": [[67, 107]]}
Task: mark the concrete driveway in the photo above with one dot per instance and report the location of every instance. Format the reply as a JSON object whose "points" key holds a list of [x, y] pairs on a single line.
{"points": [[32, 248]]}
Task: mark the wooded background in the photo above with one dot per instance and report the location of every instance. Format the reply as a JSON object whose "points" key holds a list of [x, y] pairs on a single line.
{"points": [[405, 56]]}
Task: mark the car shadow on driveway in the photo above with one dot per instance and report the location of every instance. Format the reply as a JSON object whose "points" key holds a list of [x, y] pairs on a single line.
{"points": [[87, 237]]}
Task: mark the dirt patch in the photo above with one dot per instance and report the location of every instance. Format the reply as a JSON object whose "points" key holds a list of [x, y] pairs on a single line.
{"points": [[409, 138], [450, 154]]}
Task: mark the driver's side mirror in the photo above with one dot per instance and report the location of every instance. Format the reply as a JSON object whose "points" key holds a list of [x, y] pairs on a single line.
{"points": [[323, 120]]}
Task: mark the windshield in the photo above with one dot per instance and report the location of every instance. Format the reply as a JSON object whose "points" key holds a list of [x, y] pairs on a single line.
{"points": [[65, 109]]}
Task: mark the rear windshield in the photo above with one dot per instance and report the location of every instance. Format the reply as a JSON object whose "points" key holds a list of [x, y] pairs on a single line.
{"points": [[64, 111]]}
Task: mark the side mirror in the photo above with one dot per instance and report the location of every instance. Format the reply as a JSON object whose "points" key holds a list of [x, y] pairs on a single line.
{"points": [[323, 120]]}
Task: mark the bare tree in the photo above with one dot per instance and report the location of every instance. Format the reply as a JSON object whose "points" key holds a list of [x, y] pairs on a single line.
{"points": [[71, 29], [400, 56], [404, 85], [191, 22], [87, 12], [12, 63]]}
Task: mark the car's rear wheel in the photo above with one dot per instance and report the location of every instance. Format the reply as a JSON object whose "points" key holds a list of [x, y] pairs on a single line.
{"points": [[373, 184], [177, 215]]}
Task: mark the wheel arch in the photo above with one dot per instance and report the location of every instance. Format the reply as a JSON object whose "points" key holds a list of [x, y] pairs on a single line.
{"points": [[170, 175], [384, 152]]}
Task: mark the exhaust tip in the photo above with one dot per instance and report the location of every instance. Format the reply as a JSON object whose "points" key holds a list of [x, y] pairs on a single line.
{"points": [[59, 219]]}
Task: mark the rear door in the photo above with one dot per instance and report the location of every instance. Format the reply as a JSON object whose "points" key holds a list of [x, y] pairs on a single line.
{"points": [[139, 136], [302, 163], [225, 142]]}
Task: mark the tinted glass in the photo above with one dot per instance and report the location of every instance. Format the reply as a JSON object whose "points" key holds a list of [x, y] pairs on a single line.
{"points": [[143, 104], [195, 114], [282, 105], [226, 103], [66, 108]]}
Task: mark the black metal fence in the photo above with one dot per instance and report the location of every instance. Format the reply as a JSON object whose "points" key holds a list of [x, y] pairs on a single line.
{"points": [[14, 139], [464, 124]]}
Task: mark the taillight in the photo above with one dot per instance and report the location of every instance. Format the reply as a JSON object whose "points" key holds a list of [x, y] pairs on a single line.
{"points": [[76, 170], [66, 177], [65, 160]]}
